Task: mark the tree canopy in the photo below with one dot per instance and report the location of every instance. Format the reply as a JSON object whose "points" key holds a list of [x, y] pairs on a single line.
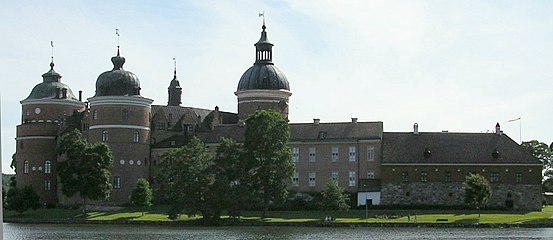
{"points": [[21, 199], [477, 191], [141, 195], [541, 151], [85, 168], [268, 156], [334, 198]]}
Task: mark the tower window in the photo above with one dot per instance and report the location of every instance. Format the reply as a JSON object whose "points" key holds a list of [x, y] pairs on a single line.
{"points": [[518, 177], [160, 126], [125, 114], [404, 176], [136, 137], [105, 136], [494, 177], [95, 114], [116, 182], [47, 186], [47, 167], [424, 177], [447, 176], [26, 167]]}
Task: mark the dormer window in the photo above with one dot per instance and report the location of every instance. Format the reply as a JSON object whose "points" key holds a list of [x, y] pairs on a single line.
{"points": [[322, 136]]}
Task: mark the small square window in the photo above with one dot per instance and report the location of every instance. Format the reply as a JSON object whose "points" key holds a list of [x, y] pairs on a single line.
{"points": [[424, 177], [296, 179], [312, 179], [334, 154], [312, 154]]}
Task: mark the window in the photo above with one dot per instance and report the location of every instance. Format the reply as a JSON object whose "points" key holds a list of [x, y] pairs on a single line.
{"points": [[494, 177], [312, 154], [117, 182], [296, 179], [335, 176], [86, 126], [95, 114], [352, 179], [447, 177], [26, 167], [47, 167], [404, 176], [136, 137], [160, 126], [424, 176], [334, 155], [47, 185], [352, 155], [125, 114], [104, 136], [370, 175], [322, 136], [312, 178], [370, 153], [296, 154], [518, 177]]}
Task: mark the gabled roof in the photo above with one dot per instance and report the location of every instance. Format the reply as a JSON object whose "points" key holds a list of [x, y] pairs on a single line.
{"points": [[453, 148], [177, 112]]}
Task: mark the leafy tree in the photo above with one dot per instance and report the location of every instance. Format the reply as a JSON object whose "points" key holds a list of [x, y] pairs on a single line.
{"points": [[141, 195], [540, 151], [268, 157], [547, 184], [21, 200], [3, 197], [334, 198], [184, 172], [85, 168], [477, 191]]}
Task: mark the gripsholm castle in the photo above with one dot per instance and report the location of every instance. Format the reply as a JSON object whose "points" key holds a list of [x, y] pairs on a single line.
{"points": [[380, 168]]}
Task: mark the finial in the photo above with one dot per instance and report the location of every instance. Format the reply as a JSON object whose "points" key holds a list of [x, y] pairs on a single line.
{"points": [[52, 57], [117, 33], [175, 71], [262, 14]]}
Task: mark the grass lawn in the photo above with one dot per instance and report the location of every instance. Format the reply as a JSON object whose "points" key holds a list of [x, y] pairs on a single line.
{"points": [[158, 213]]}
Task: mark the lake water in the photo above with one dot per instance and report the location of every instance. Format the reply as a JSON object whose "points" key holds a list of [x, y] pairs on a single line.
{"points": [[139, 232]]}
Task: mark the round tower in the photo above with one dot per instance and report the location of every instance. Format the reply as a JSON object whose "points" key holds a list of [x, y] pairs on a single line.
{"points": [[48, 104], [175, 91], [119, 117], [263, 86]]}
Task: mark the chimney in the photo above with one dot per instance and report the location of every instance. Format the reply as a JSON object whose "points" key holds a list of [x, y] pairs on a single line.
{"points": [[80, 96], [416, 129], [316, 121], [64, 93], [354, 120], [498, 129]]}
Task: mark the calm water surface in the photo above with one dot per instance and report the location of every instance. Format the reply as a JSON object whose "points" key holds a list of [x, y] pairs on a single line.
{"points": [[137, 232]]}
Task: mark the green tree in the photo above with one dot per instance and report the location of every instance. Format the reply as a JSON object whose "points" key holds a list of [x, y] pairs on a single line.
{"points": [[85, 168], [541, 151], [334, 197], [141, 195], [268, 157], [21, 200], [477, 191], [184, 172]]}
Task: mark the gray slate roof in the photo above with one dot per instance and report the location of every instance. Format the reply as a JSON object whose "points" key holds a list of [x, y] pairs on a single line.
{"points": [[452, 148]]}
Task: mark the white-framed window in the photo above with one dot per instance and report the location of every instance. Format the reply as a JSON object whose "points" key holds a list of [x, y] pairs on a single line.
{"points": [[352, 178], [518, 177], [26, 167], [296, 179], [47, 166], [494, 177], [334, 155], [424, 177], [296, 154], [352, 154], [312, 154], [335, 176], [47, 185], [95, 114], [370, 153], [312, 179], [370, 175], [105, 136], [136, 137], [116, 182]]}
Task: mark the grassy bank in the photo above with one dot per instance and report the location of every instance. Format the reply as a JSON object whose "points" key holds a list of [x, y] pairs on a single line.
{"points": [[158, 214]]}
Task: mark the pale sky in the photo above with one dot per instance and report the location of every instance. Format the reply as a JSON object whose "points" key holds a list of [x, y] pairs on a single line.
{"points": [[459, 66]]}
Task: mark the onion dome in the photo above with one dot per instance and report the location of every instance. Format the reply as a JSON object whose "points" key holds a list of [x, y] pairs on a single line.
{"points": [[51, 87], [263, 74], [117, 82]]}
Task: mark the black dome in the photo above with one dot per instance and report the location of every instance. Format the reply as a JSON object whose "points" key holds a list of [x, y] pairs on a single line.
{"points": [[117, 82], [263, 76], [51, 87]]}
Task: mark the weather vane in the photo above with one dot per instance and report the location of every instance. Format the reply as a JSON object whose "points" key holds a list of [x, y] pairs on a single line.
{"points": [[262, 14], [52, 45], [175, 64], [117, 33]]}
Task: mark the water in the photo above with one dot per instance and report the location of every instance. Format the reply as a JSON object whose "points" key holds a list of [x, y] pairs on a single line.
{"points": [[139, 232]]}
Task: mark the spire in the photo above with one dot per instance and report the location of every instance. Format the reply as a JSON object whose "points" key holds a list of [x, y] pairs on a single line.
{"points": [[52, 75], [263, 48], [174, 90], [118, 61]]}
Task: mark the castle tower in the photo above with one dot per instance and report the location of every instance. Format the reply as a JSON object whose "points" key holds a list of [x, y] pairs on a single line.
{"points": [[263, 86], [175, 91], [42, 112], [119, 117]]}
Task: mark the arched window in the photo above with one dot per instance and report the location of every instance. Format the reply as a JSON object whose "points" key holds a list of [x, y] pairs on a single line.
{"points": [[136, 137], [104, 136], [95, 114], [47, 167], [26, 167]]}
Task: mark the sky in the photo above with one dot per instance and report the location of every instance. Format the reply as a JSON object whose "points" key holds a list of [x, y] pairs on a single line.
{"points": [[460, 66]]}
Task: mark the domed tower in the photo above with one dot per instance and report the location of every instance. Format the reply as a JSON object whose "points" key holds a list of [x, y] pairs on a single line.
{"points": [[175, 91], [42, 111], [263, 86], [119, 117]]}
